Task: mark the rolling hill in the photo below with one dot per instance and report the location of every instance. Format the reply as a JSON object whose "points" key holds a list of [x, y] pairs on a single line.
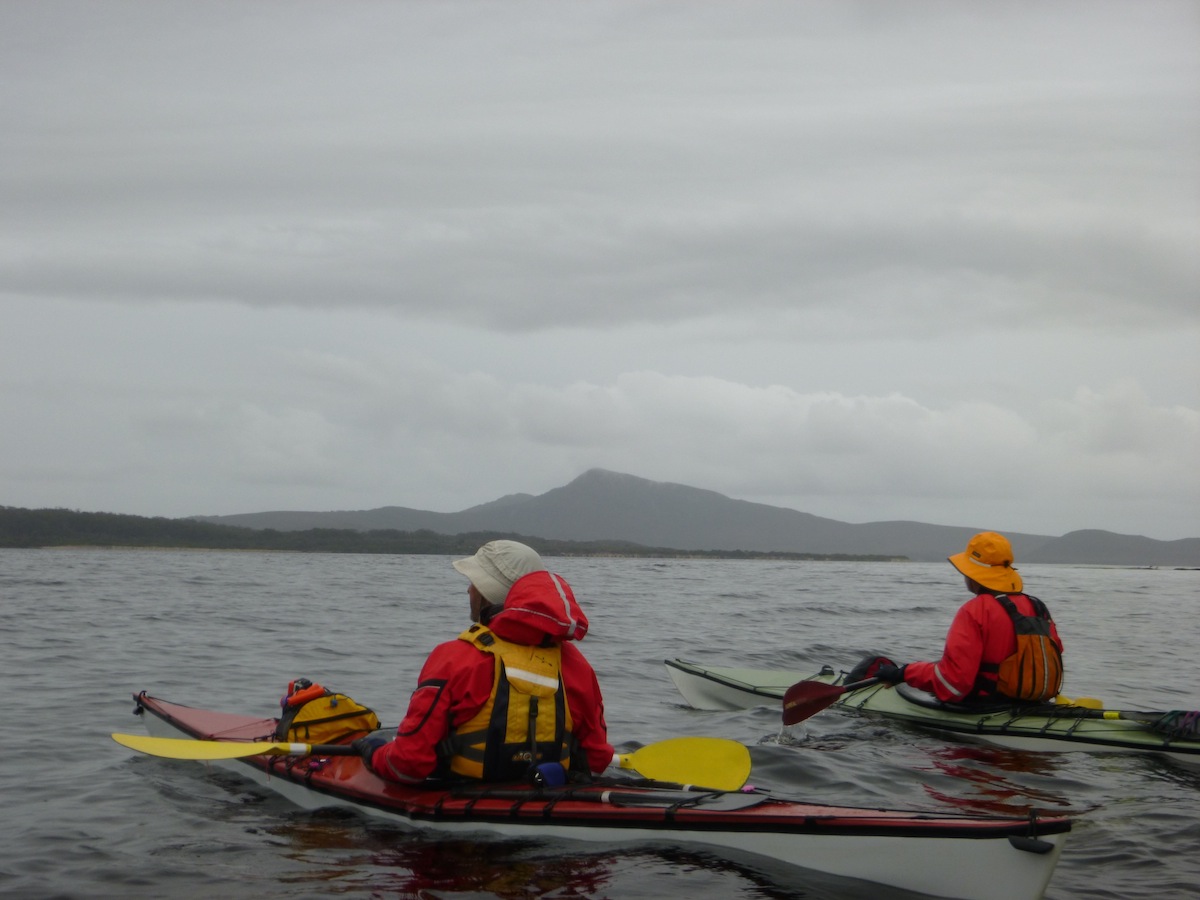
{"points": [[603, 505]]}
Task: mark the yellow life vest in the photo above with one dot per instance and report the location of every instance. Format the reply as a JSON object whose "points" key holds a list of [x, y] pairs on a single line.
{"points": [[524, 722]]}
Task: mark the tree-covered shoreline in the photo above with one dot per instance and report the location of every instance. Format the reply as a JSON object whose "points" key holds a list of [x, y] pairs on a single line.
{"points": [[45, 528]]}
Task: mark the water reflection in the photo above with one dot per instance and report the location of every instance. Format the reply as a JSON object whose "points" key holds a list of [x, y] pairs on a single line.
{"points": [[992, 779], [342, 854]]}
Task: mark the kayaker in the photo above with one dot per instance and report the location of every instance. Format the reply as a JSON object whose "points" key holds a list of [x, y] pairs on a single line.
{"points": [[981, 658], [513, 674]]}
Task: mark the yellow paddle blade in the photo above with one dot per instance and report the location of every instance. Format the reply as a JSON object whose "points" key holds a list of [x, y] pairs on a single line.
{"points": [[184, 748], [1085, 702], [716, 763]]}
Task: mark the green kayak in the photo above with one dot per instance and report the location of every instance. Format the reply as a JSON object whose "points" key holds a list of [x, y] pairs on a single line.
{"points": [[1022, 726]]}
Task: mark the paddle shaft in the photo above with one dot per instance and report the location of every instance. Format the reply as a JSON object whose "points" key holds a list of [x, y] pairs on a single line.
{"points": [[721, 801], [856, 685], [323, 750], [1145, 718]]}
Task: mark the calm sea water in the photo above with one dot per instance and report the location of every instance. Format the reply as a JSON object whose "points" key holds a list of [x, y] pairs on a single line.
{"points": [[80, 630]]}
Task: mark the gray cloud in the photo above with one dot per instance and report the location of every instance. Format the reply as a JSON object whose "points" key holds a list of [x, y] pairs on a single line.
{"points": [[868, 260]]}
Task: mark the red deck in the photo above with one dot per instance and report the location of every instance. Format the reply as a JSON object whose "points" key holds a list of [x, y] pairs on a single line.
{"points": [[631, 804]]}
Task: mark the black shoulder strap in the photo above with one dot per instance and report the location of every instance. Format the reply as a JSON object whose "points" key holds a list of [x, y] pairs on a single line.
{"points": [[1039, 608], [1009, 606]]}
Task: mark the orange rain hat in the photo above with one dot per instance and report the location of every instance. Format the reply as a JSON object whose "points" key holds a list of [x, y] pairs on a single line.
{"points": [[988, 560]]}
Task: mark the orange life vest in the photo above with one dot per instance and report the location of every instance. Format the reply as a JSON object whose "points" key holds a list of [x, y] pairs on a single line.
{"points": [[1035, 671]]}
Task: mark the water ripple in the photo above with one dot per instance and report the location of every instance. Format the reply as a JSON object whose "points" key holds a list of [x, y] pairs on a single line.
{"points": [[81, 630]]}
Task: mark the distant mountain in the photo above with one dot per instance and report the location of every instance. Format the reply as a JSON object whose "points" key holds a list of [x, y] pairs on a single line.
{"points": [[1103, 548], [601, 505]]}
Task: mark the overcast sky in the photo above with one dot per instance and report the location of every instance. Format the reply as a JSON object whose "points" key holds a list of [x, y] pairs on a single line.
{"points": [[869, 260]]}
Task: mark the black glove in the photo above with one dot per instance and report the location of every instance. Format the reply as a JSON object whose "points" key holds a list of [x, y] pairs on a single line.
{"points": [[891, 673], [868, 667], [366, 747]]}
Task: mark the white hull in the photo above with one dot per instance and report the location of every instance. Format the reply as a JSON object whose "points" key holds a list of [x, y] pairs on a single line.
{"points": [[969, 868]]}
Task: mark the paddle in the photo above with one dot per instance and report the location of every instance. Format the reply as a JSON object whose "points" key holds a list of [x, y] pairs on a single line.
{"points": [[807, 698], [186, 748], [1176, 724], [714, 763], [1089, 702]]}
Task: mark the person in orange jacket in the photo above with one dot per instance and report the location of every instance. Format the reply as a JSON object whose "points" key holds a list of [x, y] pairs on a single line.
{"points": [[516, 671], [983, 635]]}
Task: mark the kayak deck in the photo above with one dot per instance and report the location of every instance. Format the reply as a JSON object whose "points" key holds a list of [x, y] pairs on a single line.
{"points": [[906, 849], [1045, 727]]}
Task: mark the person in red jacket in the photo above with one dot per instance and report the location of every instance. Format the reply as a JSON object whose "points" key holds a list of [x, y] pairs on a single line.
{"points": [[509, 694], [983, 634]]}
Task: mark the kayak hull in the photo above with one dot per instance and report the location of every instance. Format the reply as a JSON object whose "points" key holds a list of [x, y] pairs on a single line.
{"points": [[1042, 727], [981, 857]]}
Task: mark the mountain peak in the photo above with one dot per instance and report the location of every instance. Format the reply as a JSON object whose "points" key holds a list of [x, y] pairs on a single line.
{"points": [[607, 477]]}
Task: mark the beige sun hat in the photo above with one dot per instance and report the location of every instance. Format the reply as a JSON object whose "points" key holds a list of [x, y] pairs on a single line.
{"points": [[497, 565], [988, 560]]}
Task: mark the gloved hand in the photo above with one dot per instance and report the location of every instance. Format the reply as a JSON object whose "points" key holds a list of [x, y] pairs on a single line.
{"points": [[550, 774], [366, 747], [868, 667], [891, 673]]}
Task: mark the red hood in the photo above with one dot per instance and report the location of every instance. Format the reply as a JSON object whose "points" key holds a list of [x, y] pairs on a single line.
{"points": [[540, 605]]}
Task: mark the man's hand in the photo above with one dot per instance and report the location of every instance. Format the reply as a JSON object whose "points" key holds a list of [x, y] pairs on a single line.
{"points": [[367, 746]]}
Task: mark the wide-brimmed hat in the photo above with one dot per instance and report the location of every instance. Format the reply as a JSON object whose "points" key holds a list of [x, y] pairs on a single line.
{"points": [[497, 565], [988, 560]]}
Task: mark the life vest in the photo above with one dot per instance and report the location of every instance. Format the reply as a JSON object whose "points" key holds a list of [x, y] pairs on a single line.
{"points": [[1034, 672], [524, 722]]}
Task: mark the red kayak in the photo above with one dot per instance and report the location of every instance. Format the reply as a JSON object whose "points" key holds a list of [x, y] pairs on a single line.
{"points": [[944, 855]]}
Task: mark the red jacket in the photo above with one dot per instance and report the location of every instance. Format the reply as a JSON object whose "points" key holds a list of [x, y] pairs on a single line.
{"points": [[981, 633], [456, 681]]}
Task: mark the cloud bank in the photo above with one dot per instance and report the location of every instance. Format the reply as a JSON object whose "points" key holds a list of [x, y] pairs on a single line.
{"points": [[927, 262]]}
